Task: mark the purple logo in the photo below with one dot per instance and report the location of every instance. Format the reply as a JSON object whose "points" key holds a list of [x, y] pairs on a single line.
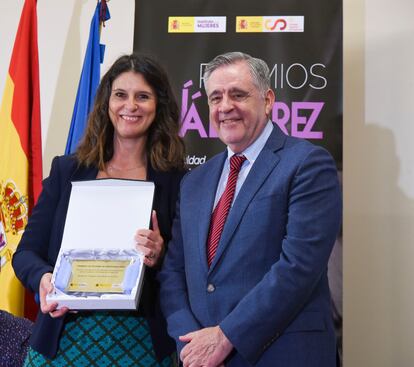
{"points": [[302, 117]]}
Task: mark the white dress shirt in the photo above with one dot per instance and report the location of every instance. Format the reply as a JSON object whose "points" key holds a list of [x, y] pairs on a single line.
{"points": [[251, 153]]}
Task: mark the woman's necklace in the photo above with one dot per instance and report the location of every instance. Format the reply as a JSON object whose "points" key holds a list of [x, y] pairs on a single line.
{"points": [[112, 168]]}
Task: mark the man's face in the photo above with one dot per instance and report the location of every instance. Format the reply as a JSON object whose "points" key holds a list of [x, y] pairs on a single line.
{"points": [[238, 109]]}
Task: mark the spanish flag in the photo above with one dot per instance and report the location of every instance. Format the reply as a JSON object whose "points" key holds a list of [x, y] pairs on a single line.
{"points": [[20, 152]]}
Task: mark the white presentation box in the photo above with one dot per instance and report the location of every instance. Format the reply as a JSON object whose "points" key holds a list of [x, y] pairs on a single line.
{"points": [[103, 217]]}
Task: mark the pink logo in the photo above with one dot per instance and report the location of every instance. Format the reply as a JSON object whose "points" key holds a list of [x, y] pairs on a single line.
{"points": [[190, 118], [280, 24]]}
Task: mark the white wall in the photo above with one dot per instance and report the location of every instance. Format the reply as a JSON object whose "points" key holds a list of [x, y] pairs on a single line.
{"points": [[63, 30], [378, 183], [378, 151]]}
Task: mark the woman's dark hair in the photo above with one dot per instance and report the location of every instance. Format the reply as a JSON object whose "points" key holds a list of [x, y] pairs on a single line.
{"points": [[165, 148]]}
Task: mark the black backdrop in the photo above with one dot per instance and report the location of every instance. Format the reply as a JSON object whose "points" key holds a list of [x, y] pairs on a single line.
{"points": [[306, 66]]}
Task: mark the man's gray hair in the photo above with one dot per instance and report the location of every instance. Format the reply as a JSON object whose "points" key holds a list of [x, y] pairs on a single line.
{"points": [[258, 68]]}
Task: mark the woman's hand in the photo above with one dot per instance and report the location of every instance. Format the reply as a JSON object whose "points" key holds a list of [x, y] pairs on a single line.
{"points": [[45, 288], [150, 243]]}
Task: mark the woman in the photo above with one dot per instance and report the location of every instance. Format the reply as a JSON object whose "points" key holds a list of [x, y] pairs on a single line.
{"points": [[132, 133]]}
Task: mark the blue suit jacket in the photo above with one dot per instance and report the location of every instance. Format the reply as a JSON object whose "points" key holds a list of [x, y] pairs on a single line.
{"points": [[40, 244], [267, 287]]}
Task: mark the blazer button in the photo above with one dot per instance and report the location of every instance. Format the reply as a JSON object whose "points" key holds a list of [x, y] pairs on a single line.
{"points": [[211, 288]]}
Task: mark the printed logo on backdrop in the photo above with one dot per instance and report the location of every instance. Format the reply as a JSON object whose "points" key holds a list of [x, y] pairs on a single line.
{"points": [[196, 24], [296, 118], [252, 24]]}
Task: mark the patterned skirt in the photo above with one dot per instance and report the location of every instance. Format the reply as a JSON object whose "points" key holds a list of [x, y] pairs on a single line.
{"points": [[103, 339]]}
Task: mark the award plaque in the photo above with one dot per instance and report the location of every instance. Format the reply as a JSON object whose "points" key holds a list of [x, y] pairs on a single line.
{"points": [[97, 272], [97, 276], [98, 266]]}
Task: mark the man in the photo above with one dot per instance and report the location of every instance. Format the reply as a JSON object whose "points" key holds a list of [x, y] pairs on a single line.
{"points": [[260, 295]]}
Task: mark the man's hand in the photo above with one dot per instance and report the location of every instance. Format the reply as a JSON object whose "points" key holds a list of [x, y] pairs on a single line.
{"points": [[206, 347]]}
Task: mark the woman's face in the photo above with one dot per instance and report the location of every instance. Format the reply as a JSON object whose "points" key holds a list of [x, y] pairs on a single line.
{"points": [[132, 106]]}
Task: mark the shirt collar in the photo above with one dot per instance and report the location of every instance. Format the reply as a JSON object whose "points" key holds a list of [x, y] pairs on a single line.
{"points": [[253, 150]]}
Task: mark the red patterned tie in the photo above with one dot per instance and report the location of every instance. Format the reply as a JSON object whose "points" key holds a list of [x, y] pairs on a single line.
{"points": [[218, 218]]}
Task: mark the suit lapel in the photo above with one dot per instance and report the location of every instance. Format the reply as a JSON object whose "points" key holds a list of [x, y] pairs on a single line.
{"points": [[84, 173], [205, 198], [263, 166]]}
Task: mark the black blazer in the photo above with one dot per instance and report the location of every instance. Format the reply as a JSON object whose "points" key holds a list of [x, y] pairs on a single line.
{"points": [[40, 244]]}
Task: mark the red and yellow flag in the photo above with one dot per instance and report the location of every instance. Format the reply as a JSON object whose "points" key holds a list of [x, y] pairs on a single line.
{"points": [[20, 152]]}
